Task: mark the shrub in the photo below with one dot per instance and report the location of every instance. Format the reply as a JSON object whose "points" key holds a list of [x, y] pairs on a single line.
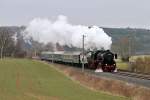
{"points": [[141, 65], [125, 58]]}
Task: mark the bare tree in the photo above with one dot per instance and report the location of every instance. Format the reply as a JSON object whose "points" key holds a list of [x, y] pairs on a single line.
{"points": [[5, 37], [122, 47]]}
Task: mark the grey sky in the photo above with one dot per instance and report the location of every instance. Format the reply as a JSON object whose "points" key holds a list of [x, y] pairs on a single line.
{"points": [[108, 13]]}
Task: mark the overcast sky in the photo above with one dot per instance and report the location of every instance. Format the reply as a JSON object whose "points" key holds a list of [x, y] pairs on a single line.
{"points": [[107, 13]]}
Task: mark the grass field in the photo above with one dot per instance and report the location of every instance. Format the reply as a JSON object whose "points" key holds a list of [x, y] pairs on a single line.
{"points": [[122, 65], [22, 79]]}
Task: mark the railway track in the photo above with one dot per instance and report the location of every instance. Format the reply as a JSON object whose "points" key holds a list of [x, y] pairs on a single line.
{"points": [[123, 73], [130, 77], [119, 73], [134, 75]]}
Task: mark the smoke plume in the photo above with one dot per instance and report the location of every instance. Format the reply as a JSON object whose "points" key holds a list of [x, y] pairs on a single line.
{"points": [[62, 32]]}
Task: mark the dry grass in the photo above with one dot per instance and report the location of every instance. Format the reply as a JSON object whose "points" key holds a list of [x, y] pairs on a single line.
{"points": [[107, 85], [141, 65]]}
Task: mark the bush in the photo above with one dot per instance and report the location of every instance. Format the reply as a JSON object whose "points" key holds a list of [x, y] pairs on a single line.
{"points": [[125, 58], [141, 65]]}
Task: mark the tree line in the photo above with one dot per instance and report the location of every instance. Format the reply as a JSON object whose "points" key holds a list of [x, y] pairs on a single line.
{"points": [[14, 44]]}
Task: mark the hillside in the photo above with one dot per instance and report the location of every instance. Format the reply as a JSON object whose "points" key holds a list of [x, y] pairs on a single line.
{"points": [[139, 37]]}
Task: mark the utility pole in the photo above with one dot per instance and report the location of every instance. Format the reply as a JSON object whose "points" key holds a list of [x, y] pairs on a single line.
{"points": [[53, 57], [129, 39], [130, 63], [83, 36]]}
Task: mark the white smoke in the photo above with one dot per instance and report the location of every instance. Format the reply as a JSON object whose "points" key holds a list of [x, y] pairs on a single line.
{"points": [[61, 31]]}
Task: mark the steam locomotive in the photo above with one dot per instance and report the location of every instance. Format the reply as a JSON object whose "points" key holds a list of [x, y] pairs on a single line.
{"points": [[100, 60]]}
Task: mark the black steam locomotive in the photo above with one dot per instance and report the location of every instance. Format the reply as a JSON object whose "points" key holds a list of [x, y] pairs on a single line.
{"points": [[101, 60]]}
